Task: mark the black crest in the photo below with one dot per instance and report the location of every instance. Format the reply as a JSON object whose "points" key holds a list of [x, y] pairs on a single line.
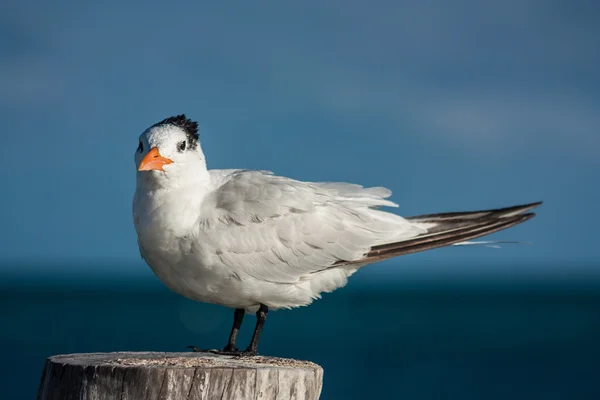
{"points": [[187, 125]]}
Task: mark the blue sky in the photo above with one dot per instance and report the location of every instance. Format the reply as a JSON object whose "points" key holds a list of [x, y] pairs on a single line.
{"points": [[453, 106]]}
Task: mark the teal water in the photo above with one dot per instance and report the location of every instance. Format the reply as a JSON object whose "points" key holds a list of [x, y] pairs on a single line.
{"points": [[405, 341]]}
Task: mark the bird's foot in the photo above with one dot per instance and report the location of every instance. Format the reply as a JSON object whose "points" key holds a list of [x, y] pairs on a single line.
{"points": [[236, 353], [198, 350], [249, 352], [227, 351], [230, 348]]}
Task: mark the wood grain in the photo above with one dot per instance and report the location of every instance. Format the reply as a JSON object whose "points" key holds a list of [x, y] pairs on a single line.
{"points": [[177, 376]]}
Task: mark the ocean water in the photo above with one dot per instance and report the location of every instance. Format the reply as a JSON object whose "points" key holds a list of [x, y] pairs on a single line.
{"points": [[378, 341]]}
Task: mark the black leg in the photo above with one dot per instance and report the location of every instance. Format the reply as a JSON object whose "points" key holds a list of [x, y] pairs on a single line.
{"points": [[261, 317], [238, 317]]}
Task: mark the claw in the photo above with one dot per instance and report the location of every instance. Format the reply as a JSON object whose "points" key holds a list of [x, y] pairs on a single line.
{"points": [[226, 352], [231, 349], [235, 353]]}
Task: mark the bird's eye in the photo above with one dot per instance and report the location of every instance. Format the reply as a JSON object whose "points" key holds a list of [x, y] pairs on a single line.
{"points": [[140, 147], [181, 146]]}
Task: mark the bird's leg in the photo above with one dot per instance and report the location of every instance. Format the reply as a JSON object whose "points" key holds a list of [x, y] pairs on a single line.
{"points": [[230, 349], [238, 317], [261, 317]]}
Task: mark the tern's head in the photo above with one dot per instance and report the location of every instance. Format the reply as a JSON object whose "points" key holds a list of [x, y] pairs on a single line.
{"points": [[170, 150]]}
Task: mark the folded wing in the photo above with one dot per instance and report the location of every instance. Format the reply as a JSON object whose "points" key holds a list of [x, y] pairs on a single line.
{"points": [[280, 230]]}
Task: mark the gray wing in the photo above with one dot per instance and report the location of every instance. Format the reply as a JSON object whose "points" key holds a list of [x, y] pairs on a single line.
{"points": [[279, 230]]}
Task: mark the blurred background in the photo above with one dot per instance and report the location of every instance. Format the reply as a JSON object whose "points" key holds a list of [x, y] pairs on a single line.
{"points": [[453, 106]]}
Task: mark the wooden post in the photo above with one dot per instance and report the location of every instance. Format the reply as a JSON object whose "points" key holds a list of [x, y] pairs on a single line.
{"points": [[177, 376]]}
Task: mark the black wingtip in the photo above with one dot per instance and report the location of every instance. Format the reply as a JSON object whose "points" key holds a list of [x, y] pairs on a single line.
{"points": [[496, 212], [478, 228], [521, 209], [527, 216], [533, 205]]}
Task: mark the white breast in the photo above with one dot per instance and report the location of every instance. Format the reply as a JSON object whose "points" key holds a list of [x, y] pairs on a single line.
{"points": [[172, 245]]}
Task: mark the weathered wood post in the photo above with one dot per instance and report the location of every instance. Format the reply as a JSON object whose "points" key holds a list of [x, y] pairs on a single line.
{"points": [[177, 376]]}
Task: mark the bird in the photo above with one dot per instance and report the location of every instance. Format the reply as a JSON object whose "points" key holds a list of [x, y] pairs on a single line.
{"points": [[254, 241]]}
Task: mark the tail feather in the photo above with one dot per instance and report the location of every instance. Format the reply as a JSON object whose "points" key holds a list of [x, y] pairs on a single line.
{"points": [[446, 229]]}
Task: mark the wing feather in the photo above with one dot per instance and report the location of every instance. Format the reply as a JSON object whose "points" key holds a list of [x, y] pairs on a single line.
{"points": [[279, 230]]}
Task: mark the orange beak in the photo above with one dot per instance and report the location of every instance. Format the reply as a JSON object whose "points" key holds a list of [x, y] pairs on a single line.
{"points": [[153, 160]]}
